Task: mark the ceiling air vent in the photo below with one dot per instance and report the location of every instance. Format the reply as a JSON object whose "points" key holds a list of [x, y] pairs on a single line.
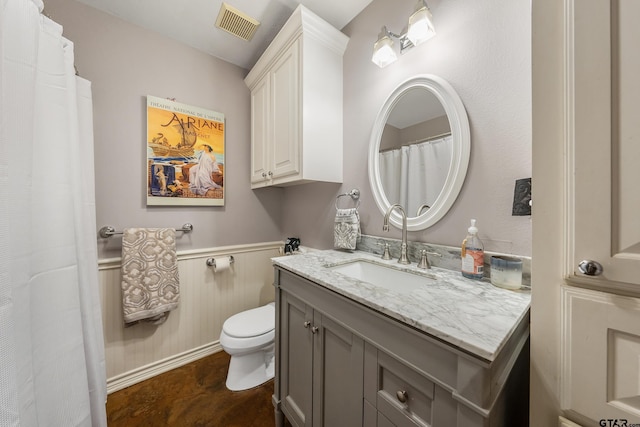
{"points": [[237, 23]]}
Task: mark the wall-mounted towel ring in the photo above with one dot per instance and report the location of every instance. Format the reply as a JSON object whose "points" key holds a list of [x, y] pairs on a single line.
{"points": [[354, 194], [211, 262]]}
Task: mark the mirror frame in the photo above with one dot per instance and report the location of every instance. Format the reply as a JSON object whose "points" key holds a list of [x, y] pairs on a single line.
{"points": [[461, 150]]}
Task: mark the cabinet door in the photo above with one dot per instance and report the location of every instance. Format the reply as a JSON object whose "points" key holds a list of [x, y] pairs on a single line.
{"points": [[259, 132], [338, 375], [296, 342], [285, 105]]}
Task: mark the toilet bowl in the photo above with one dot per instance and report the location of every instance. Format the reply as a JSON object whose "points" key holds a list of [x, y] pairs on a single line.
{"points": [[248, 337]]}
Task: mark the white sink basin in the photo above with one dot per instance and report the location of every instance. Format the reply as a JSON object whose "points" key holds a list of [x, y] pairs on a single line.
{"points": [[382, 276]]}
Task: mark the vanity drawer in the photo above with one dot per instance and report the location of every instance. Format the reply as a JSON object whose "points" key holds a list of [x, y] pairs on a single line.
{"points": [[401, 395]]}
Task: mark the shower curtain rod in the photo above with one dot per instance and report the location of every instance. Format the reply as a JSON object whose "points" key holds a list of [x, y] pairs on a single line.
{"points": [[419, 141]]}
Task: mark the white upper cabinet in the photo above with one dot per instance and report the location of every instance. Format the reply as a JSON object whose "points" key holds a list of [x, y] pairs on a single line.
{"points": [[296, 104]]}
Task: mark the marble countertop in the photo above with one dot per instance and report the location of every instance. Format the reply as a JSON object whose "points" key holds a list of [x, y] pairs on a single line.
{"points": [[470, 314]]}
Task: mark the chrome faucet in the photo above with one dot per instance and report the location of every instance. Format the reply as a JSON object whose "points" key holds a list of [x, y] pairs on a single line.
{"points": [[385, 227]]}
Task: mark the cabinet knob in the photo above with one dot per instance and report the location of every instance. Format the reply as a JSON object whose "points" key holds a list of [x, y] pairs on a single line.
{"points": [[402, 396], [315, 330], [264, 175], [270, 173], [590, 268], [307, 324]]}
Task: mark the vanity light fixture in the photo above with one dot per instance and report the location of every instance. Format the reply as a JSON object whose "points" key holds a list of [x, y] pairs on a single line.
{"points": [[419, 30], [383, 52], [420, 27]]}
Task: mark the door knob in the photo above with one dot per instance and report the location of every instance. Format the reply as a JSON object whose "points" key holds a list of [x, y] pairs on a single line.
{"points": [[590, 268], [402, 396]]}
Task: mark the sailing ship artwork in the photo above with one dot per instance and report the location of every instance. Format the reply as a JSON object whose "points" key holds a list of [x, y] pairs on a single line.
{"points": [[185, 154]]}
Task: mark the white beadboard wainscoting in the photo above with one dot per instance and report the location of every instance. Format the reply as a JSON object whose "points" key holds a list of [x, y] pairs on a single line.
{"points": [[192, 331]]}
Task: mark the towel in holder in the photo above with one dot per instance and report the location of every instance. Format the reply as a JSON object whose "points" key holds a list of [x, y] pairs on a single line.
{"points": [[150, 283], [346, 229]]}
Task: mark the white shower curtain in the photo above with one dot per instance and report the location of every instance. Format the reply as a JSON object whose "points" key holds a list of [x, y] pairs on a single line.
{"points": [[413, 175], [52, 370]]}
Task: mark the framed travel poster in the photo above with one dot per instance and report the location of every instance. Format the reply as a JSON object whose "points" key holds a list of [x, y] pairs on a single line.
{"points": [[185, 154]]}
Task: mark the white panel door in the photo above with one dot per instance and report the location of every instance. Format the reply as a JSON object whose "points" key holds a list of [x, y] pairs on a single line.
{"points": [[600, 374], [606, 138], [601, 347]]}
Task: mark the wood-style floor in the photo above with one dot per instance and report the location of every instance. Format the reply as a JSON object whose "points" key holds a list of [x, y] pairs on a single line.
{"points": [[189, 396]]}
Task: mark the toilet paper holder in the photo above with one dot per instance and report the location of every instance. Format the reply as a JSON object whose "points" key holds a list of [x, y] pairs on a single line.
{"points": [[211, 262]]}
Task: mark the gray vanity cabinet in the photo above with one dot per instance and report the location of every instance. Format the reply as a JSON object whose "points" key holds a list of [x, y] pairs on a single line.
{"points": [[320, 366], [341, 363]]}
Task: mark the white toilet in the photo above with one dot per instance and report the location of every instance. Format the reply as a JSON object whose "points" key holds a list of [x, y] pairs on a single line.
{"points": [[248, 337]]}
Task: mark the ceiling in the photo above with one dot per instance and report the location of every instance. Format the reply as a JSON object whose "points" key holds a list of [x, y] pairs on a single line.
{"points": [[192, 22]]}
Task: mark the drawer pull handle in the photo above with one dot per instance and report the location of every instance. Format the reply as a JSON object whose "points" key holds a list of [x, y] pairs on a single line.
{"points": [[307, 324], [402, 396], [315, 330]]}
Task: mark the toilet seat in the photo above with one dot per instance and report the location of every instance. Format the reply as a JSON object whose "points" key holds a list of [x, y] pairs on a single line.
{"points": [[233, 345], [251, 323]]}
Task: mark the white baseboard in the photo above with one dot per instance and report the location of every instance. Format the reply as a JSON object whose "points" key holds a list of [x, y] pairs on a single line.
{"points": [[135, 376]]}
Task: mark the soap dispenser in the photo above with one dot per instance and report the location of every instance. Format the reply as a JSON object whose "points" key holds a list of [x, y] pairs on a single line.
{"points": [[472, 254]]}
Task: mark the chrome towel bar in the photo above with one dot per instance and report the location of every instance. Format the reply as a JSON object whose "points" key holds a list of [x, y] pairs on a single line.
{"points": [[108, 231]]}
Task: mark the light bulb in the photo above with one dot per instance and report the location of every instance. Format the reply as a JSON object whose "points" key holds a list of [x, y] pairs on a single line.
{"points": [[383, 52], [421, 26]]}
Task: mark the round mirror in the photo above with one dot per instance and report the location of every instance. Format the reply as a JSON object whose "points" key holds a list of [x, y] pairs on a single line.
{"points": [[419, 151]]}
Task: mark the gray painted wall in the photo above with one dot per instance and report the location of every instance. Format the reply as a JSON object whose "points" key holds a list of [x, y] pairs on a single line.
{"points": [[482, 48], [125, 64]]}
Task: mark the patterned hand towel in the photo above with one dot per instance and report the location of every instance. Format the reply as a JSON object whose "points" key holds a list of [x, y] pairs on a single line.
{"points": [[346, 229], [150, 284]]}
